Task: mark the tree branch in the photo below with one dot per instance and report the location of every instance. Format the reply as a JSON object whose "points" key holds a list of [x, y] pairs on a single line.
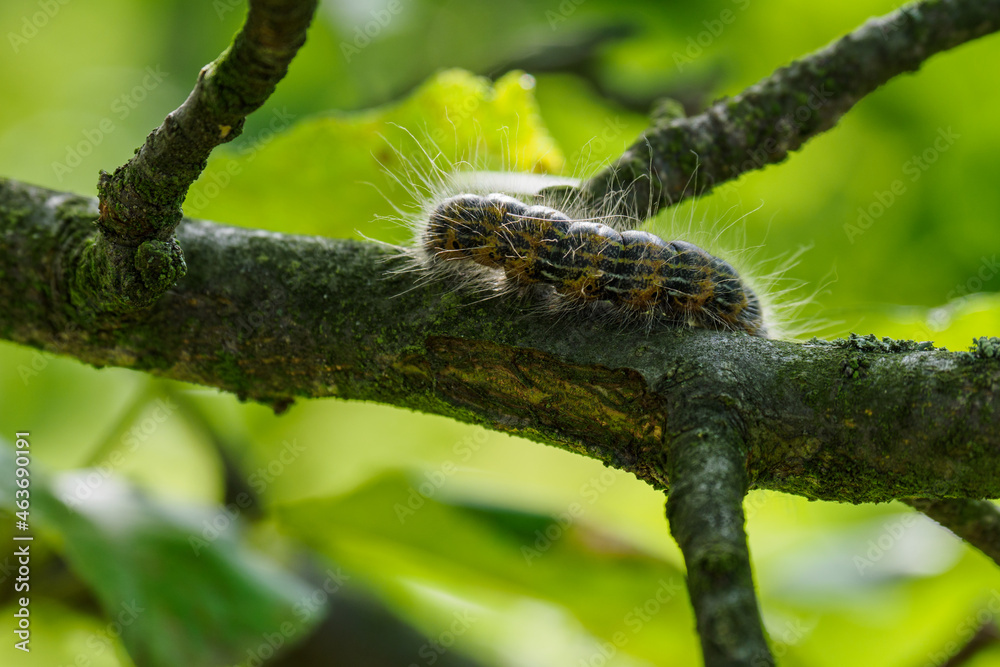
{"points": [[985, 636], [975, 521], [135, 258], [704, 415], [679, 158], [705, 509], [272, 317]]}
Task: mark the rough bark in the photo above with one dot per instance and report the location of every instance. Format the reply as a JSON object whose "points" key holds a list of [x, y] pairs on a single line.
{"points": [[273, 317], [135, 258], [705, 509], [677, 158], [704, 415]]}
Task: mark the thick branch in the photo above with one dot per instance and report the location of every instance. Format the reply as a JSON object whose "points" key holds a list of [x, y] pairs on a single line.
{"points": [[679, 158], [271, 317], [135, 258], [975, 521], [705, 509]]}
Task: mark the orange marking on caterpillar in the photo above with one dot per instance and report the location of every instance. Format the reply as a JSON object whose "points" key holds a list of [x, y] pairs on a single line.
{"points": [[639, 274]]}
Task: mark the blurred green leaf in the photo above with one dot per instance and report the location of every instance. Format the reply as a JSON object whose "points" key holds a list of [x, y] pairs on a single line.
{"points": [[61, 635], [922, 268], [183, 590], [501, 555], [332, 176]]}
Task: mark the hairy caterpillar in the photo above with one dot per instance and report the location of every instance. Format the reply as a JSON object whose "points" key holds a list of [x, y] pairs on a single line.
{"points": [[511, 231], [639, 274]]}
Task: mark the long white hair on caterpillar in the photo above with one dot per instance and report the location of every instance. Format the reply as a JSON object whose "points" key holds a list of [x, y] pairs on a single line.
{"points": [[493, 233], [788, 305]]}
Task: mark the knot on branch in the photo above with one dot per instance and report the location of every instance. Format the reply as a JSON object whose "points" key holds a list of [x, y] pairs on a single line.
{"points": [[114, 277], [135, 259], [131, 212], [160, 264]]}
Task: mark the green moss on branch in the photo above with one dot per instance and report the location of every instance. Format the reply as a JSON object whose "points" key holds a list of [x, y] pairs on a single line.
{"points": [[705, 509], [271, 317], [134, 258]]}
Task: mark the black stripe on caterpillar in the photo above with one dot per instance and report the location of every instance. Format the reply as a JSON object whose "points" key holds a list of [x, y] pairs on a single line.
{"points": [[639, 274]]}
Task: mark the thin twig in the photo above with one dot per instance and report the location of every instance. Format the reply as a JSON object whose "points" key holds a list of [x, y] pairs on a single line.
{"points": [[680, 158], [986, 636], [135, 258], [708, 482], [975, 521]]}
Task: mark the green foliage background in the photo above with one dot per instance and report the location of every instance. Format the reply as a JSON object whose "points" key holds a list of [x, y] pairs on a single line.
{"points": [[839, 584]]}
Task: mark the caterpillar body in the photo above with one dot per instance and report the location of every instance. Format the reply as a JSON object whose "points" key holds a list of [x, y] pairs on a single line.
{"points": [[638, 274]]}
